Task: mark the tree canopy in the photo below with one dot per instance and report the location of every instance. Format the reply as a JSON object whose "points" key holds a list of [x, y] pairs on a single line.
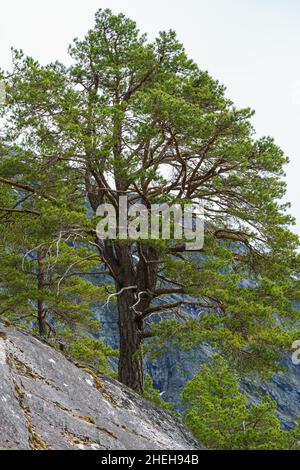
{"points": [[139, 118]]}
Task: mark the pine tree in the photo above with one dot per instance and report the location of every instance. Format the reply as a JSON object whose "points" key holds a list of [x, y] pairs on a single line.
{"points": [[45, 273], [221, 417]]}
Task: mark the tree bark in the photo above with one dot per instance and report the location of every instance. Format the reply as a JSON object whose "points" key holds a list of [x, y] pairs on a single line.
{"points": [[132, 303], [131, 367], [41, 308], [131, 279]]}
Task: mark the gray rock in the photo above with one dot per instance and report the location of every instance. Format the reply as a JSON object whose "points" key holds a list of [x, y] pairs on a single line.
{"points": [[47, 402]]}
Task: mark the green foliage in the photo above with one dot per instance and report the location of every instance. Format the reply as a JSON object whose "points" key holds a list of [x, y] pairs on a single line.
{"points": [[152, 394], [93, 353], [233, 309], [221, 417], [42, 258], [39, 269], [111, 123]]}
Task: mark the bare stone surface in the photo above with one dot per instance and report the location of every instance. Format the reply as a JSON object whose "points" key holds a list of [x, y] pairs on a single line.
{"points": [[47, 402]]}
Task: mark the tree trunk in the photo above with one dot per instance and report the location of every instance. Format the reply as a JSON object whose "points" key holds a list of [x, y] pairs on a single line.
{"points": [[131, 367], [41, 308], [142, 277]]}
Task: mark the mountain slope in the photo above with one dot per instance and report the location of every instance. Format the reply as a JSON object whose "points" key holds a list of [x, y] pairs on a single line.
{"points": [[47, 402]]}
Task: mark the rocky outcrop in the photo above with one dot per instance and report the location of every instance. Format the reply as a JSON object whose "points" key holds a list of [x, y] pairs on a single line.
{"points": [[47, 402]]}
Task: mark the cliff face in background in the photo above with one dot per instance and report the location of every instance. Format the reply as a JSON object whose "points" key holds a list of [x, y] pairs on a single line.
{"points": [[46, 402], [173, 368]]}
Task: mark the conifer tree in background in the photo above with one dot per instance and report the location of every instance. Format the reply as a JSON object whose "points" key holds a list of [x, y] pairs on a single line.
{"points": [[135, 118], [218, 413], [45, 271]]}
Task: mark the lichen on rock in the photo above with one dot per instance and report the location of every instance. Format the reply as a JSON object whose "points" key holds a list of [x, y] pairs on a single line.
{"points": [[47, 402]]}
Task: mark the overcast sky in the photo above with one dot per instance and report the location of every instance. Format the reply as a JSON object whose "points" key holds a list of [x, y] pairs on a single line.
{"points": [[251, 46]]}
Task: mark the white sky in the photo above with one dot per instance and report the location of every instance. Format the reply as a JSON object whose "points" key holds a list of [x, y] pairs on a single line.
{"points": [[251, 46]]}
